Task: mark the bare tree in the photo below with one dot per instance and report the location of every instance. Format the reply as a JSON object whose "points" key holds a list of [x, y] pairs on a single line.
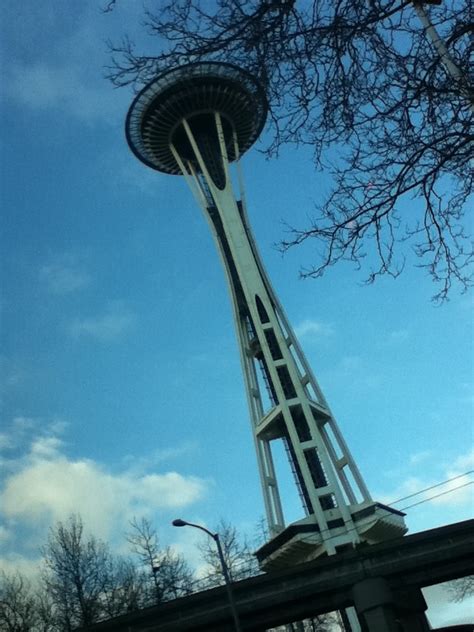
{"points": [[17, 604], [261, 533], [25, 607], [77, 573], [321, 623], [386, 113], [167, 575], [237, 552], [83, 583], [242, 564], [462, 588], [125, 589], [46, 620]]}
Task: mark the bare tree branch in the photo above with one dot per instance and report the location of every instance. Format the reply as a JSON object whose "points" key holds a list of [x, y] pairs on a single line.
{"points": [[362, 85], [241, 562], [77, 573], [167, 574], [462, 588]]}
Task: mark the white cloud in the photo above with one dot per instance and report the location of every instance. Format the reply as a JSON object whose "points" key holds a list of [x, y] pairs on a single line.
{"points": [[50, 489], [65, 88], [405, 488], [397, 336], [40, 85], [355, 372], [21, 430], [5, 534], [47, 486], [461, 488], [464, 462], [66, 75], [447, 498], [11, 375], [351, 363], [63, 278], [61, 76], [141, 463], [23, 424], [108, 327], [419, 457], [123, 170], [6, 441], [313, 329], [58, 426], [45, 448]]}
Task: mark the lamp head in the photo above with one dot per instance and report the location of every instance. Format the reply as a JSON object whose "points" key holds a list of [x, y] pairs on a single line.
{"points": [[179, 523]]}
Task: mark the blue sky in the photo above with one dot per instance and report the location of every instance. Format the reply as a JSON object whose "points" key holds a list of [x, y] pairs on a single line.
{"points": [[121, 386]]}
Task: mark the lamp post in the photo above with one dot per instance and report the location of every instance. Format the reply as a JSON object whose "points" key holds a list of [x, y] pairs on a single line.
{"points": [[225, 571]]}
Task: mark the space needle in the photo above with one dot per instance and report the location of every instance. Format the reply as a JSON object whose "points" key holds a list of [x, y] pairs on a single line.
{"points": [[197, 121]]}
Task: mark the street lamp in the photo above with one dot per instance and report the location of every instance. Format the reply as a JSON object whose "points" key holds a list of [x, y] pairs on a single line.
{"points": [[225, 571]]}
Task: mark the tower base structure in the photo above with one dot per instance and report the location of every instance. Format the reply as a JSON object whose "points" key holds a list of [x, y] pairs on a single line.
{"points": [[302, 541]]}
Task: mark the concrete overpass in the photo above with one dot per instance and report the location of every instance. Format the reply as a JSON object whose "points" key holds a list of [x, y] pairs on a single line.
{"points": [[382, 581]]}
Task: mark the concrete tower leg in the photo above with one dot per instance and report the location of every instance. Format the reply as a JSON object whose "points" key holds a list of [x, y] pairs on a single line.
{"points": [[411, 610], [374, 603], [380, 609]]}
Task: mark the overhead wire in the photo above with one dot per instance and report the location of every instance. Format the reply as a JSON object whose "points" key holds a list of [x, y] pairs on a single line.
{"points": [[420, 502], [425, 500], [241, 563], [427, 489], [448, 491]]}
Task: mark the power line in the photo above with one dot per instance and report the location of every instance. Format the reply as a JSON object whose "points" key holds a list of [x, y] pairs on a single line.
{"points": [[202, 581], [425, 500], [241, 563], [427, 489], [448, 491]]}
